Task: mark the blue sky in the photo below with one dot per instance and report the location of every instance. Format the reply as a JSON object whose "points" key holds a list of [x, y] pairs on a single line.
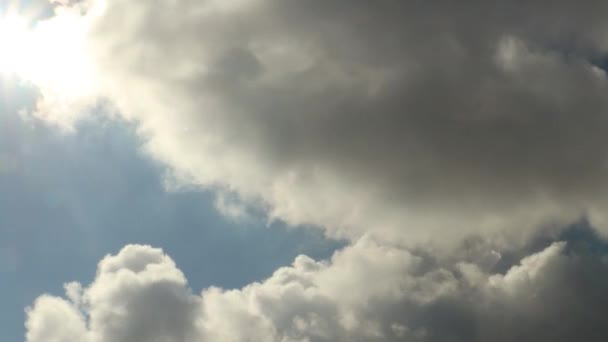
{"points": [[66, 200]]}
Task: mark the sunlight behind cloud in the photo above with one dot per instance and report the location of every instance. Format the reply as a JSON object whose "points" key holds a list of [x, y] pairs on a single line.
{"points": [[50, 55], [58, 58], [14, 41]]}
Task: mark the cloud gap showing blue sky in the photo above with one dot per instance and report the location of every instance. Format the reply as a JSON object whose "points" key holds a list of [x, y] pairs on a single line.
{"points": [[66, 200]]}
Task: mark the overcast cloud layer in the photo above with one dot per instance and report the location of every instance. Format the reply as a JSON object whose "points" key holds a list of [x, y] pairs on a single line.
{"points": [[377, 121]]}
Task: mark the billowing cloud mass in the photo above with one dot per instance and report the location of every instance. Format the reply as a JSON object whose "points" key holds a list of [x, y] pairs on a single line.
{"points": [[388, 123], [402, 119], [367, 292]]}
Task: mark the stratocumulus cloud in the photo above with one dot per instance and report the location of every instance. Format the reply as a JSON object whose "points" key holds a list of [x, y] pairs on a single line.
{"points": [[388, 123]]}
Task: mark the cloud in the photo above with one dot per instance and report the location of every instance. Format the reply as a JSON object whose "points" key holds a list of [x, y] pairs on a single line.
{"points": [[232, 208], [389, 124], [366, 292], [137, 295], [399, 119], [61, 2]]}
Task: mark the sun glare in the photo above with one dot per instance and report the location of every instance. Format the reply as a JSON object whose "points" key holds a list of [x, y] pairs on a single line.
{"points": [[49, 54], [14, 43]]}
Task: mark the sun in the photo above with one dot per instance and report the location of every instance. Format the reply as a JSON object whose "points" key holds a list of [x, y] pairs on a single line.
{"points": [[48, 53], [15, 41]]}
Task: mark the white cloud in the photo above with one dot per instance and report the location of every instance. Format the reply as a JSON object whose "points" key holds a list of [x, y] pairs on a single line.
{"points": [[366, 292], [55, 319], [138, 295]]}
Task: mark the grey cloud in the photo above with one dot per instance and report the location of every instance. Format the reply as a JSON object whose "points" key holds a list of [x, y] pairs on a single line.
{"points": [[360, 116], [366, 292]]}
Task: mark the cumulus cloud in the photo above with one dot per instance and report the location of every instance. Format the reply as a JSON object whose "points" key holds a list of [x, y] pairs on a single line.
{"points": [[366, 292], [137, 295], [399, 119]]}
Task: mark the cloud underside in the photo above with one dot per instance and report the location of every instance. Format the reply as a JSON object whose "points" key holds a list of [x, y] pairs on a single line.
{"points": [[388, 123], [366, 292], [400, 119]]}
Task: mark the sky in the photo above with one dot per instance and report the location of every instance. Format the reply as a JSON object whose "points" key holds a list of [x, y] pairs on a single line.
{"points": [[67, 200], [284, 170]]}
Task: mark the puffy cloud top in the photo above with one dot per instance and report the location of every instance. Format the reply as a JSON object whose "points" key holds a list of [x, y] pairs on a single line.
{"points": [[366, 292]]}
